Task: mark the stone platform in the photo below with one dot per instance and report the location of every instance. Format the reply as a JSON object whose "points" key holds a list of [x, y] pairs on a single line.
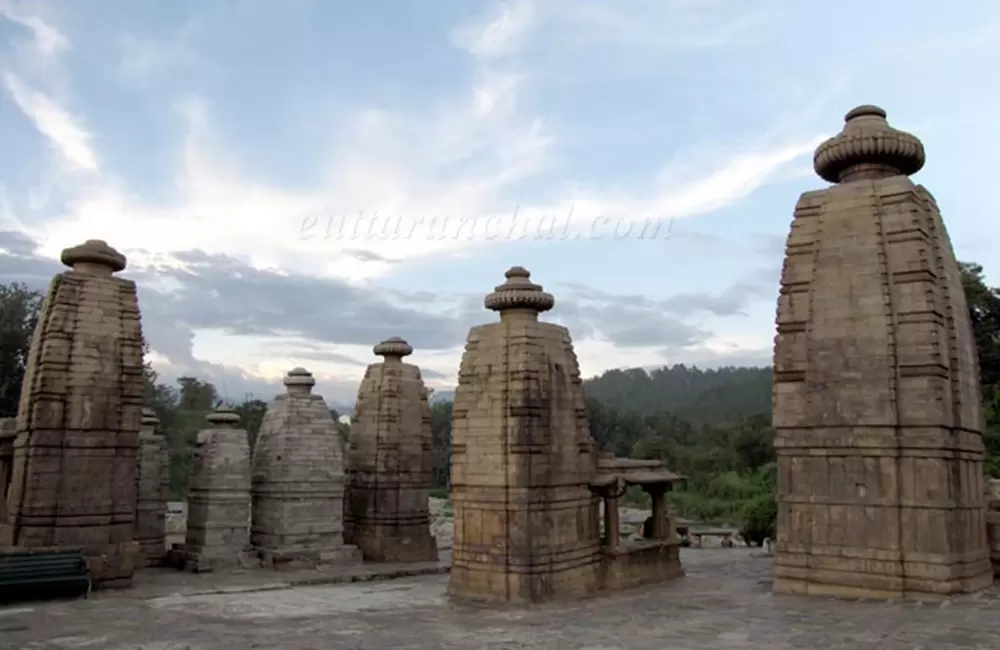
{"points": [[723, 603]]}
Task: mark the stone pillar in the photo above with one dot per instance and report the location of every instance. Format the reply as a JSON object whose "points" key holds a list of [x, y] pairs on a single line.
{"points": [[526, 522], [153, 491], [658, 494], [218, 520], [298, 481], [876, 388], [612, 522], [390, 469], [74, 475]]}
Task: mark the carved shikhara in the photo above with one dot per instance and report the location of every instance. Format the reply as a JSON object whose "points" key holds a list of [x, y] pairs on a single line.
{"points": [[876, 396]]}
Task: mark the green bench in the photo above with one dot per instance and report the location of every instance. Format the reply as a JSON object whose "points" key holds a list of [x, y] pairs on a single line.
{"points": [[34, 575]]}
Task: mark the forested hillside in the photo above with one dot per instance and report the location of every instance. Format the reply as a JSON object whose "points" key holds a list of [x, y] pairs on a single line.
{"points": [[699, 396]]}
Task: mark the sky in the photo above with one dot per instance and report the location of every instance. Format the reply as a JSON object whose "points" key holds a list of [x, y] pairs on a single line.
{"points": [[293, 182]]}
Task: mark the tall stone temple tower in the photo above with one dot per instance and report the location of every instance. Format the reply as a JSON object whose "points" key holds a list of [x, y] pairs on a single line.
{"points": [[389, 463], [75, 456], [526, 522], [876, 396]]}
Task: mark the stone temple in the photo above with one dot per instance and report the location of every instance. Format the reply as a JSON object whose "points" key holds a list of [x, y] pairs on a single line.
{"points": [[389, 462], [298, 481], [153, 491], [73, 482], [526, 521], [876, 396], [218, 521]]}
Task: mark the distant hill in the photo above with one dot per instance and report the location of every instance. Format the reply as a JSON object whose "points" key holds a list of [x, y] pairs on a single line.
{"points": [[699, 396], [442, 396]]}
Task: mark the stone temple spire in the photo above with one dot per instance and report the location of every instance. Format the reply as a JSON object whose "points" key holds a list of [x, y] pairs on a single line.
{"points": [[519, 293], [390, 463], [868, 148], [875, 383], [526, 526], [297, 482], [79, 417]]}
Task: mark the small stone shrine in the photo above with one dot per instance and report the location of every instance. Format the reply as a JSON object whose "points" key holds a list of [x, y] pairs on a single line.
{"points": [[526, 520], [298, 482], [876, 388], [389, 462], [153, 491], [218, 521], [73, 483]]}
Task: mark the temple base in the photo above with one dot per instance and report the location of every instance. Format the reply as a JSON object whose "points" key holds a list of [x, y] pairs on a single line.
{"points": [[806, 581], [295, 558], [185, 557], [637, 563], [379, 546]]}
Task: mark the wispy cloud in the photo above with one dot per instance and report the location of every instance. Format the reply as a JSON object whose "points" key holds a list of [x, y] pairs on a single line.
{"points": [[499, 33], [46, 39], [68, 138]]}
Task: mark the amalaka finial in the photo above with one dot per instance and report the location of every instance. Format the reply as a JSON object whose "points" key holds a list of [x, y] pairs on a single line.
{"points": [[868, 147], [94, 256], [299, 379], [518, 292], [223, 416], [394, 347]]}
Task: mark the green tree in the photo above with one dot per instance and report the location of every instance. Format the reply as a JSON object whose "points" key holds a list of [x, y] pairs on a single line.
{"points": [[19, 309], [251, 413], [195, 400], [984, 312], [441, 443]]}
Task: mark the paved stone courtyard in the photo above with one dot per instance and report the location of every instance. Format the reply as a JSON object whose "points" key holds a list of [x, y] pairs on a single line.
{"points": [[723, 603]]}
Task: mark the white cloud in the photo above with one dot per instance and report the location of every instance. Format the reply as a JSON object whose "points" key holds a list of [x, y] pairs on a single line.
{"points": [[498, 34], [47, 41], [463, 159], [71, 141]]}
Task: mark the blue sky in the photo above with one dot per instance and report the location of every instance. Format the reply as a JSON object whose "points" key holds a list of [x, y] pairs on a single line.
{"points": [[220, 144]]}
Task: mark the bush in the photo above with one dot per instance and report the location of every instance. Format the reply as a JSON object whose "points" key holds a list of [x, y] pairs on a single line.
{"points": [[440, 493], [760, 518]]}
